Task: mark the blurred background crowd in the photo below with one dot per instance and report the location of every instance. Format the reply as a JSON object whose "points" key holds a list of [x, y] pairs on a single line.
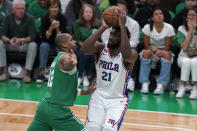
{"points": [[164, 33]]}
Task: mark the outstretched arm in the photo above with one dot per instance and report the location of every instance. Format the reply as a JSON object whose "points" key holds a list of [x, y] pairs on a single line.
{"points": [[68, 61], [91, 45], [129, 54]]}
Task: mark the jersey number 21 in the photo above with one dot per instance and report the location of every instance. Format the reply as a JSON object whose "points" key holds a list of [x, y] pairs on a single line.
{"points": [[106, 76]]}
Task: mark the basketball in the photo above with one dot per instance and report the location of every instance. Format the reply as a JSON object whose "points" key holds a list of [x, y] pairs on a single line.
{"points": [[111, 16]]}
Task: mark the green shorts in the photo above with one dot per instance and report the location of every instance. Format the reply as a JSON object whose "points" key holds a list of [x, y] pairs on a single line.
{"points": [[60, 118]]}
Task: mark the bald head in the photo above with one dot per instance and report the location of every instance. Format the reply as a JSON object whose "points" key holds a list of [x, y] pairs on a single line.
{"points": [[60, 39], [65, 42]]}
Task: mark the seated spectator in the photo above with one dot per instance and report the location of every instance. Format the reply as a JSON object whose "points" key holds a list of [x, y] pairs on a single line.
{"points": [[5, 8], [180, 17], [187, 37], [134, 29], [143, 16], [18, 35], [38, 9], [158, 37], [84, 27], [73, 9], [51, 24]]}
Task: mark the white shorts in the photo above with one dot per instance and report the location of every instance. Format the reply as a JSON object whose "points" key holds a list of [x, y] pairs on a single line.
{"points": [[106, 112]]}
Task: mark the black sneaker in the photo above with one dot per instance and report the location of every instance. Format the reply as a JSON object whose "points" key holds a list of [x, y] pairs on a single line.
{"points": [[40, 79]]}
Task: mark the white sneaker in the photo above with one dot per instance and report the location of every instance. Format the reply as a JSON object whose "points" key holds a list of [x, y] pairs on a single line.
{"points": [[159, 90], [181, 92], [193, 94], [86, 81], [131, 85], [144, 88], [79, 81]]}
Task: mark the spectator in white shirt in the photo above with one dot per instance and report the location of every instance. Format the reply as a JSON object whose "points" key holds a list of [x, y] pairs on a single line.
{"points": [[157, 37], [187, 37]]}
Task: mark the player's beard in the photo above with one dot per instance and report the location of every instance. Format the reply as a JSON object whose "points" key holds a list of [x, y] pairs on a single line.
{"points": [[113, 46]]}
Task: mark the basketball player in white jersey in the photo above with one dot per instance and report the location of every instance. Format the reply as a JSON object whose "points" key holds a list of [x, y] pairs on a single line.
{"points": [[109, 102]]}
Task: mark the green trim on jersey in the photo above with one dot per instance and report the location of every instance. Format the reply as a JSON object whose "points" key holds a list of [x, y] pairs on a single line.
{"points": [[62, 87]]}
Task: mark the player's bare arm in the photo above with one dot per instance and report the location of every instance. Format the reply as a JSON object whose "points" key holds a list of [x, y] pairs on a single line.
{"points": [[129, 54], [68, 61], [91, 45]]}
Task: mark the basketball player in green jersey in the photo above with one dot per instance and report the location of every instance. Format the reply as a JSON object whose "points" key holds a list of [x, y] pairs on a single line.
{"points": [[53, 111]]}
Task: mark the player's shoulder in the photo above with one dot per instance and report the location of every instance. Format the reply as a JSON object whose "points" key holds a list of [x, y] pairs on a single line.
{"points": [[62, 55], [100, 46]]}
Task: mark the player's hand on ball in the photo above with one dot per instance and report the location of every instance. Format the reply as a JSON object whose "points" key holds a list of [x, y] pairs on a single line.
{"points": [[122, 17], [111, 16], [104, 24]]}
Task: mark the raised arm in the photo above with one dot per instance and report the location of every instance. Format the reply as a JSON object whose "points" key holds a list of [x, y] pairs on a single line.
{"points": [[191, 29], [91, 45], [129, 54]]}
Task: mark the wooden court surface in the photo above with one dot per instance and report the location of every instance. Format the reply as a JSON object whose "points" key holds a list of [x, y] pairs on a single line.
{"points": [[17, 115]]}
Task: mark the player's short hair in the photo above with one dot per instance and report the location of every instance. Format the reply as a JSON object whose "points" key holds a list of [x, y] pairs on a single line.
{"points": [[60, 38]]}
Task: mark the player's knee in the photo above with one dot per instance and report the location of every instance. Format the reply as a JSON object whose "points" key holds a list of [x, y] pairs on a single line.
{"points": [[92, 126]]}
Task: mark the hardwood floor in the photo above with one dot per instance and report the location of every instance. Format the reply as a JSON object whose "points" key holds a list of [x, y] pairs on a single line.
{"points": [[17, 115]]}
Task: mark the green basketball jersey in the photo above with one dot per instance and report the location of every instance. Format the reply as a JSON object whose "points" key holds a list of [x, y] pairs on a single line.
{"points": [[62, 87]]}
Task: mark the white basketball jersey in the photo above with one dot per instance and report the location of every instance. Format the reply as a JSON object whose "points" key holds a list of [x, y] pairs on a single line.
{"points": [[111, 75]]}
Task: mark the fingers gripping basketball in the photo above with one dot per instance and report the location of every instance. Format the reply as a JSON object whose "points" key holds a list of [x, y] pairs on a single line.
{"points": [[111, 16]]}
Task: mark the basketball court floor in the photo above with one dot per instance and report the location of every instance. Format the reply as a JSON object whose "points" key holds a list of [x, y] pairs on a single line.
{"points": [[146, 112]]}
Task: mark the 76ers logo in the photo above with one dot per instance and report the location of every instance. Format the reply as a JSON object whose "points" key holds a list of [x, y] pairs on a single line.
{"points": [[111, 121]]}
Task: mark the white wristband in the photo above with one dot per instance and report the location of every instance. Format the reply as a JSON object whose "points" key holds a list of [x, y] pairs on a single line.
{"points": [[78, 92]]}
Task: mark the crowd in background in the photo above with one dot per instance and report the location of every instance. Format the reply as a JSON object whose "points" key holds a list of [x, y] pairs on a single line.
{"points": [[163, 33]]}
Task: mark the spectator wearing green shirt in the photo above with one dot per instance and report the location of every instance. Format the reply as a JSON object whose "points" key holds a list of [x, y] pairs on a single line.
{"points": [[38, 9], [180, 7], [17, 35], [84, 27], [73, 9], [106, 4], [28, 2]]}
